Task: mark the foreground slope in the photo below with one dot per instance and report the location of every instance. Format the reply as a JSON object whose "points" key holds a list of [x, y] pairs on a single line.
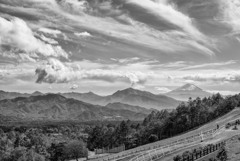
{"points": [[221, 121]]}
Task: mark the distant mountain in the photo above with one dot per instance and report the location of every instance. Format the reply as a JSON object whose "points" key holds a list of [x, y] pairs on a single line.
{"points": [[58, 108], [36, 93], [128, 96], [186, 91], [89, 97], [10, 95], [144, 99]]}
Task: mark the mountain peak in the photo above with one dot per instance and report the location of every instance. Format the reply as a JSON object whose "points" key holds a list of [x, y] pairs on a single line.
{"points": [[186, 91], [127, 91], [36, 93], [90, 93], [189, 87]]}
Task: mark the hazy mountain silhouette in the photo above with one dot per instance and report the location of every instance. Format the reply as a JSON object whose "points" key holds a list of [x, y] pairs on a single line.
{"points": [[186, 91], [128, 96]]}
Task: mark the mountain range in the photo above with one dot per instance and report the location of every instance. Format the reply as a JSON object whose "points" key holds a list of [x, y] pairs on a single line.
{"points": [[124, 104], [11, 95], [57, 107], [128, 96]]}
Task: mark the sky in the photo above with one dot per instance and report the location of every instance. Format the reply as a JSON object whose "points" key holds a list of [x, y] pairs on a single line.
{"points": [[106, 45]]}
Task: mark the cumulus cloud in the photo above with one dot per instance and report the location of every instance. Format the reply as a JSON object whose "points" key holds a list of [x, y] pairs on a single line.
{"points": [[74, 86], [16, 34], [57, 72], [231, 13]]}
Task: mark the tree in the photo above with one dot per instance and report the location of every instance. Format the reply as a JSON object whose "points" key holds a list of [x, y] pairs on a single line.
{"points": [[56, 151], [177, 158], [31, 155], [1, 131], [95, 139], [222, 155], [17, 153], [74, 150], [153, 138]]}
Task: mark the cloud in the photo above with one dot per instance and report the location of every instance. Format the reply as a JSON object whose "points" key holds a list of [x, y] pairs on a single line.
{"points": [[183, 65], [26, 58], [126, 60], [74, 6], [16, 34], [177, 65], [170, 14], [23, 71], [223, 92], [138, 86], [50, 31], [57, 72], [74, 86], [218, 77], [107, 17], [231, 13], [188, 38], [210, 65], [162, 89], [48, 40], [83, 34]]}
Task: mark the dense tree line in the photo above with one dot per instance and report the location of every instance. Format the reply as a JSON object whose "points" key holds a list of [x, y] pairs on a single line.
{"points": [[39, 144], [163, 124]]}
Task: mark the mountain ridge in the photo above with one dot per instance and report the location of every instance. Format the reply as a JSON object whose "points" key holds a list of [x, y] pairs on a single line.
{"points": [[128, 96], [55, 107]]}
